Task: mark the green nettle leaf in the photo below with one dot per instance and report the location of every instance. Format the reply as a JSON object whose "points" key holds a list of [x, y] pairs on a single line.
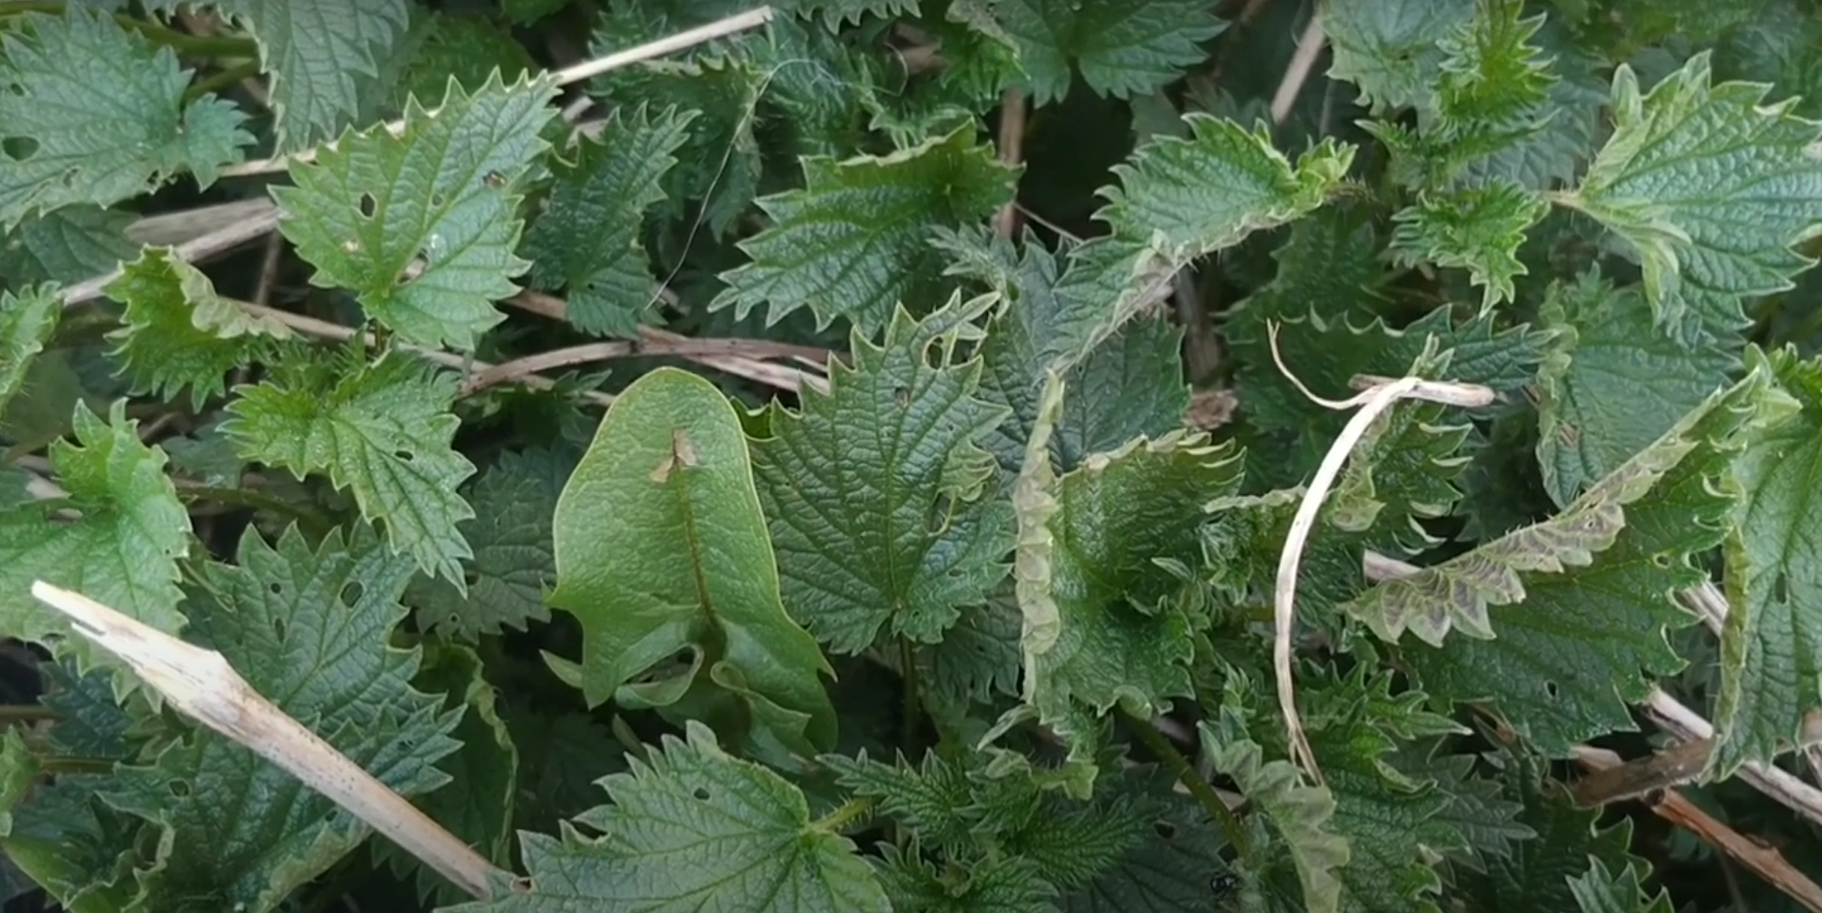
{"points": [[514, 562], [1122, 631], [1393, 823], [1580, 602], [123, 550], [479, 805], [719, 166], [1393, 50], [422, 226], [854, 241], [661, 547], [588, 237], [1477, 229], [322, 54], [1008, 884], [1491, 79], [873, 491], [836, 13], [1600, 891], [1613, 383], [1129, 386], [692, 827], [1539, 873], [1122, 47], [310, 629], [27, 321], [383, 430], [1301, 816], [68, 244], [1193, 196], [1771, 667], [1710, 187], [91, 113], [177, 332], [1180, 199], [1169, 869]]}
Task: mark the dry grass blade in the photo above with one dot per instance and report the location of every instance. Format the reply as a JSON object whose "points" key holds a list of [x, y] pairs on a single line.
{"points": [[1372, 403], [203, 686], [720, 28]]}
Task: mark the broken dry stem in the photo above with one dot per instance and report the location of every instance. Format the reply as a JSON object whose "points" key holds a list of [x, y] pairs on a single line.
{"points": [[203, 686], [1373, 402]]}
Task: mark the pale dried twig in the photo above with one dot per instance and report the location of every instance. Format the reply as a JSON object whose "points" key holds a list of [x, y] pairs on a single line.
{"points": [[204, 686], [669, 45], [651, 344], [1673, 807], [1373, 402], [1309, 47], [250, 222]]}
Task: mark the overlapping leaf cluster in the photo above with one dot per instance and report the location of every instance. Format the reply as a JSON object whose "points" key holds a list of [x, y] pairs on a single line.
{"points": [[972, 613]]}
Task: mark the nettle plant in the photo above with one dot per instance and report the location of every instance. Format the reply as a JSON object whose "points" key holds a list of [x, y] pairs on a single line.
{"points": [[1000, 455]]}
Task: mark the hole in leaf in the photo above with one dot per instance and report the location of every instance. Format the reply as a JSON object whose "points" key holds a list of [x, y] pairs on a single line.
{"points": [[274, 589], [901, 396], [178, 788], [1661, 560], [278, 628], [471, 577], [1551, 689], [1164, 829], [701, 793], [368, 205], [437, 200], [1780, 587], [18, 148], [403, 456], [351, 593], [494, 179]]}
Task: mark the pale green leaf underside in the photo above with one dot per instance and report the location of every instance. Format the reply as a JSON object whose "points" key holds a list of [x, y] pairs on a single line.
{"points": [[873, 491], [1771, 647], [308, 628], [1458, 593], [1392, 49], [692, 829], [123, 551], [91, 113], [1120, 635], [178, 332], [1303, 815], [422, 226], [382, 430], [1711, 187], [321, 55], [1596, 584], [661, 547], [1122, 47], [854, 241], [27, 320]]}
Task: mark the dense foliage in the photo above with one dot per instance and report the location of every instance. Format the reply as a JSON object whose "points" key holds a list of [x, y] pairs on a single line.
{"points": [[846, 463]]}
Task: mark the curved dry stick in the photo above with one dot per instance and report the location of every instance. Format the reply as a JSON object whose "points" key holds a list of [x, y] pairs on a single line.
{"points": [[1373, 402]]}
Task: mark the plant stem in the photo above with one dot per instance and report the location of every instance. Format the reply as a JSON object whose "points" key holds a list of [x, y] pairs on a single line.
{"points": [[194, 45], [1186, 774], [219, 81], [913, 704], [850, 811], [25, 713]]}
